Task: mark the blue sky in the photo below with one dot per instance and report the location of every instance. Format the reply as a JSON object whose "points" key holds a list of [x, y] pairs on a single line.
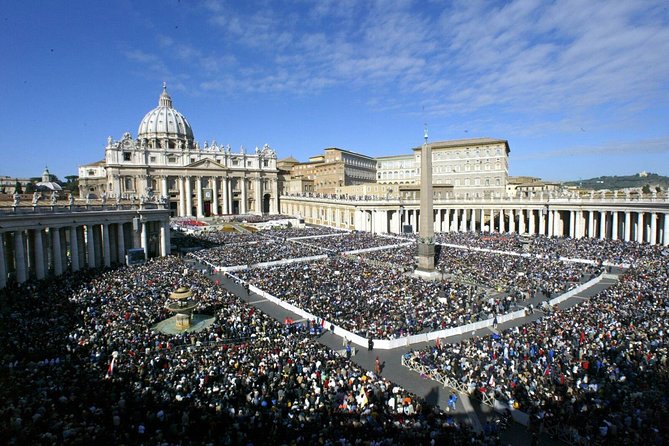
{"points": [[579, 88]]}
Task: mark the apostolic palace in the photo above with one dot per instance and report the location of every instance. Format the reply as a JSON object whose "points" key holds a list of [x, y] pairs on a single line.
{"points": [[127, 199]]}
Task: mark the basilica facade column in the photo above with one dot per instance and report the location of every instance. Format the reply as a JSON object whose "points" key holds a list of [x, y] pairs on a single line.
{"points": [[200, 198], [163, 187], [189, 197], [182, 196], [164, 238], [258, 194], [244, 202], [275, 197], [144, 240], [225, 185], [214, 191], [120, 243]]}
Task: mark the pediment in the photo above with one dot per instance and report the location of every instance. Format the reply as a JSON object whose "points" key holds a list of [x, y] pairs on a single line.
{"points": [[206, 164]]}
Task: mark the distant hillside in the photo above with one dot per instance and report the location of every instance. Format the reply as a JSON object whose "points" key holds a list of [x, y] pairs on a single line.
{"points": [[652, 180]]}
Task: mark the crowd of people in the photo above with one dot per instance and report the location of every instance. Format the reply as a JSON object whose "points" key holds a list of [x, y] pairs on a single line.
{"points": [[352, 241], [597, 371], [267, 250], [82, 365]]}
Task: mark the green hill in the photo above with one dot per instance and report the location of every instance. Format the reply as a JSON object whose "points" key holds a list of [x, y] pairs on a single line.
{"points": [[652, 180]]}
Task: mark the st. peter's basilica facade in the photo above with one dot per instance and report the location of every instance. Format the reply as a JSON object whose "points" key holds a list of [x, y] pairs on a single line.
{"points": [[164, 162]]}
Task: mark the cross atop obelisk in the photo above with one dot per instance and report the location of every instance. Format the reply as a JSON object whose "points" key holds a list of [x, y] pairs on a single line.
{"points": [[426, 227]]}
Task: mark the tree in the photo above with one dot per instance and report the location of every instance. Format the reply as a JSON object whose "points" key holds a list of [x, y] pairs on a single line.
{"points": [[658, 189], [30, 188], [645, 189], [18, 188]]}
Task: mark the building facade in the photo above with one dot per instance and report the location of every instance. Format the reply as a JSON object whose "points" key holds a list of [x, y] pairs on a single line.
{"points": [[476, 168], [164, 162]]}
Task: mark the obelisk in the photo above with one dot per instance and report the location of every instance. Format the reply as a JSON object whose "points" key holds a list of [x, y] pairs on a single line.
{"points": [[426, 228]]}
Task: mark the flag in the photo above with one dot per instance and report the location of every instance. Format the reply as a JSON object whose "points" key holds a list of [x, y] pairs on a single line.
{"points": [[110, 369]]}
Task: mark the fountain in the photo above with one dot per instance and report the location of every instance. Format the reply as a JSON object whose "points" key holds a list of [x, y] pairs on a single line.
{"points": [[181, 303]]}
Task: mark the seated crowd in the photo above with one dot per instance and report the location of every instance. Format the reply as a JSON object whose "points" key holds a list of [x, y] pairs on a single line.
{"points": [[267, 250], [246, 380], [597, 371]]}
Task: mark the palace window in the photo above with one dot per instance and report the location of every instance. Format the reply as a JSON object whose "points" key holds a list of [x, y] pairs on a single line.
{"points": [[127, 156]]}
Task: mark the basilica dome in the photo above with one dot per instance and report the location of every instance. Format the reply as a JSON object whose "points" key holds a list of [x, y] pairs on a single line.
{"points": [[164, 122]]}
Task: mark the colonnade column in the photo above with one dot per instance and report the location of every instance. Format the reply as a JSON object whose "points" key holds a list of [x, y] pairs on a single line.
{"points": [[665, 231], [3, 264], [639, 227], [653, 228], [491, 224], [572, 224], [512, 221], [39, 254], [74, 248], [551, 222], [482, 215], [56, 250], [602, 225], [214, 191], [437, 220], [463, 221], [614, 226], [20, 257], [145, 239], [164, 238], [502, 223], [472, 221], [542, 222], [591, 223], [531, 222], [106, 250], [200, 199], [447, 220], [120, 243], [628, 226], [521, 221], [90, 246]]}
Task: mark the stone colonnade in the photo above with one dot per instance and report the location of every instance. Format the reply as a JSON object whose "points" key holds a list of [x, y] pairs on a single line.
{"points": [[39, 245], [614, 220]]}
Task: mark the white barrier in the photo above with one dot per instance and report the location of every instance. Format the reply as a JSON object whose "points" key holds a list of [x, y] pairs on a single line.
{"points": [[376, 248]]}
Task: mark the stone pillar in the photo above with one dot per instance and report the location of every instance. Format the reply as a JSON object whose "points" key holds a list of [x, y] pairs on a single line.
{"points": [[447, 220], [502, 223], [653, 228], [163, 188], [665, 231], [531, 221], [56, 250], [20, 257], [472, 221], [182, 196], [463, 221], [437, 220], [225, 185], [120, 243], [542, 221], [551, 222], [258, 194], [200, 198], [512, 221], [602, 225], [628, 226], [214, 191], [614, 226], [40, 273], [74, 248], [639, 227], [482, 216], [145, 239], [164, 238], [244, 202], [591, 224], [521, 221], [90, 246], [491, 227], [106, 250], [275, 197], [3, 262], [189, 197], [572, 224]]}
